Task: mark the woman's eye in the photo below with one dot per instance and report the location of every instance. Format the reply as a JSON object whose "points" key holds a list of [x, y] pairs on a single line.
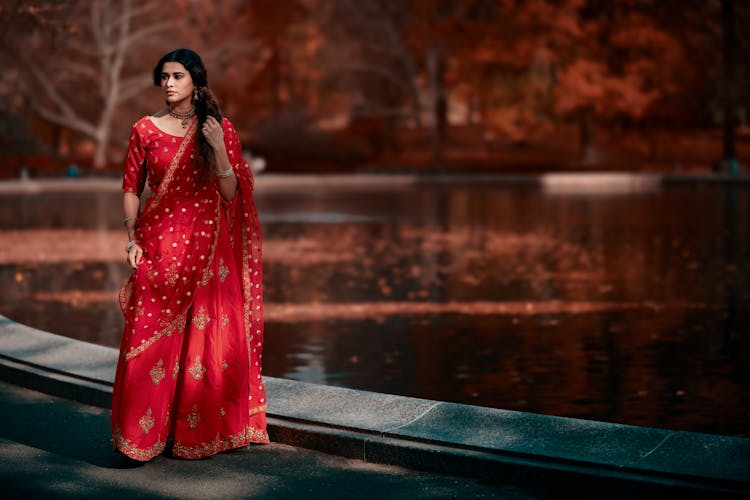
{"points": [[177, 77]]}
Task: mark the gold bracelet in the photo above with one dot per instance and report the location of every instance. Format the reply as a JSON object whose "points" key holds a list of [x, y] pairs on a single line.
{"points": [[128, 219], [224, 174]]}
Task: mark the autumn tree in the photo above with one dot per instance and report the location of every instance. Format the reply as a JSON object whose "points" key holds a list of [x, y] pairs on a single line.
{"points": [[369, 66], [97, 71], [612, 60], [86, 80]]}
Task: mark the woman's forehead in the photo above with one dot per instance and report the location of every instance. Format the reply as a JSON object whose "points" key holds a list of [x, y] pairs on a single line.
{"points": [[173, 67]]}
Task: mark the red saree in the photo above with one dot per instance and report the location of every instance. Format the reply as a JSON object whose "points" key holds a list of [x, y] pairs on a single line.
{"points": [[189, 371]]}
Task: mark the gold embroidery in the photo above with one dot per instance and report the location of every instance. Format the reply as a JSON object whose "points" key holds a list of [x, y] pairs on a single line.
{"points": [[224, 365], [208, 272], [246, 436], [157, 372], [171, 276], [146, 422], [223, 271], [224, 319], [197, 370], [130, 449], [170, 172], [125, 293], [194, 418], [207, 275], [256, 409], [201, 319], [175, 325], [175, 369], [222, 412]]}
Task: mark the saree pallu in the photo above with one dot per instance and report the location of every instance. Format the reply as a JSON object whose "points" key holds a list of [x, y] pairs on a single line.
{"points": [[189, 370]]}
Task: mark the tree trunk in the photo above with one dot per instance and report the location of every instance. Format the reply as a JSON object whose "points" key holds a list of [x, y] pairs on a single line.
{"points": [[589, 151], [436, 74], [100, 153], [729, 162]]}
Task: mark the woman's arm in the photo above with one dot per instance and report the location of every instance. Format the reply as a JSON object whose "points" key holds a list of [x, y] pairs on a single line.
{"points": [[131, 204], [228, 184], [225, 177]]}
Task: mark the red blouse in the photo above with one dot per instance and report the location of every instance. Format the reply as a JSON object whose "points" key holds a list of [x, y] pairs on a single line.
{"points": [[149, 154]]}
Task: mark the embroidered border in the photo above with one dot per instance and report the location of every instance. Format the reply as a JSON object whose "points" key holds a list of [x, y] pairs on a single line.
{"points": [[246, 436], [256, 410], [167, 331], [169, 174], [127, 447]]}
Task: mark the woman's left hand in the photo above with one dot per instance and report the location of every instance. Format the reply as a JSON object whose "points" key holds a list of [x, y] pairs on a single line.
{"points": [[214, 133]]}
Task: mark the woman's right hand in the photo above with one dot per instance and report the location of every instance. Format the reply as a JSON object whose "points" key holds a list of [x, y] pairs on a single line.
{"points": [[135, 255]]}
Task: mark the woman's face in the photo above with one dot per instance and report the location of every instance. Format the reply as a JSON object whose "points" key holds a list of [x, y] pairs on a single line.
{"points": [[176, 82]]}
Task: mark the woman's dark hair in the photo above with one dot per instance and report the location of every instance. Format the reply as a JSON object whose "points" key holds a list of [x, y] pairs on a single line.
{"points": [[203, 100]]}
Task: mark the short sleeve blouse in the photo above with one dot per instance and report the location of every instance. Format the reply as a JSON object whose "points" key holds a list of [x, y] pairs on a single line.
{"points": [[149, 154]]}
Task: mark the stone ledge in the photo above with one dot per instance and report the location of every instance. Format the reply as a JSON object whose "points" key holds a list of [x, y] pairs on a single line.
{"points": [[556, 182], [531, 449]]}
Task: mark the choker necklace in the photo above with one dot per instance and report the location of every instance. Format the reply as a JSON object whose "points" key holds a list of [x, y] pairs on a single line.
{"points": [[184, 117]]}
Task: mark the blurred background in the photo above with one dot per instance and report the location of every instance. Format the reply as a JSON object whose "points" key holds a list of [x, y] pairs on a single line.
{"points": [[538, 205], [316, 85]]}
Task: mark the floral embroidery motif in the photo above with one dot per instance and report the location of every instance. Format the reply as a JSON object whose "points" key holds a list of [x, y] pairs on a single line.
{"points": [[157, 372], [206, 277], [224, 365], [201, 319], [151, 274], [197, 370], [221, 411], [175, 369], [172, 276], [223, 271], [146, 422], [194, 418], [224, 319]]}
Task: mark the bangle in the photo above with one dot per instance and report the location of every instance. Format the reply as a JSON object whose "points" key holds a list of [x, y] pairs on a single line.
{"points": [[128, 219], [225, 173], [129, 245]]}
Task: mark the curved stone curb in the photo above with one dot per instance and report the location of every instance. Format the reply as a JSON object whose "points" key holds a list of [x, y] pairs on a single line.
{"points": [[545, 453], [554, 182]]}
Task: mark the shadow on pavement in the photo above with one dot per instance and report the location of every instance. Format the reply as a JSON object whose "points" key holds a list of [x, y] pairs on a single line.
{"points": [[54, 448]]}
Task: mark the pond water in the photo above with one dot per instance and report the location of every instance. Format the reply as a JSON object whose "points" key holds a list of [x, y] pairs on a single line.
{"points": [[630, 308]]}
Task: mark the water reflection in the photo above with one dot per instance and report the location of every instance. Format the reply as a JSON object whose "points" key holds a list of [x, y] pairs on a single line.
{"points": [[626, 307]]}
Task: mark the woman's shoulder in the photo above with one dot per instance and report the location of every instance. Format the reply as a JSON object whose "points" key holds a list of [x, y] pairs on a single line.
{"points": [[142, 125], [226, 123]]}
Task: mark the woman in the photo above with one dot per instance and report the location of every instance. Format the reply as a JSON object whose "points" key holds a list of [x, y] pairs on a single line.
{"points": [[189, 374]]}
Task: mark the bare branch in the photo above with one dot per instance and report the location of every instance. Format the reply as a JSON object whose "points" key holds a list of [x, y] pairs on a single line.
{"points": [[55, 97], [139, 11], [74, 123], [375, 70], [153, 29]]}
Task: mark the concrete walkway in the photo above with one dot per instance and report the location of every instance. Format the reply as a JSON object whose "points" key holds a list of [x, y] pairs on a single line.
{"points": [[56, 448], [546, 455]]}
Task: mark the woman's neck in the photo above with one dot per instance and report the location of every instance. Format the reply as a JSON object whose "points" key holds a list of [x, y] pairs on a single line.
{"points": [[183, 106]]}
